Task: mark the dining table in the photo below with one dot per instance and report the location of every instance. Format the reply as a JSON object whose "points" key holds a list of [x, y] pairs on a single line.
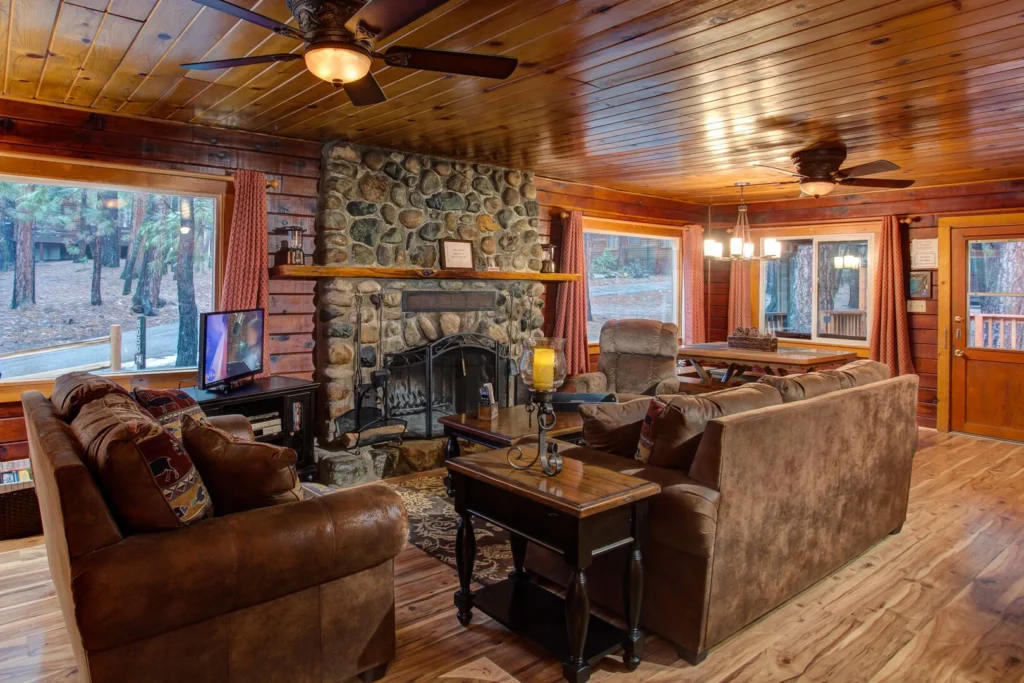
{"points": [[781, 362]]}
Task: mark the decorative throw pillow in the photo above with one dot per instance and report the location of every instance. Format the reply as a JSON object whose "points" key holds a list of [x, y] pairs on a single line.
{"points": [[169, 406], [145, 472], [654, 414], [614, 427], [74, 390], [241, 475]]}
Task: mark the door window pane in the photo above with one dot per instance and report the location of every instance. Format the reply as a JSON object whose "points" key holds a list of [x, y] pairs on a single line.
{"points": [[996, 294], [787, 295], [75, 261], [635, 277], [843, 289]]}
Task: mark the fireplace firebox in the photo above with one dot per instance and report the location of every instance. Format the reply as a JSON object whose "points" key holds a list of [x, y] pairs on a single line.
{"points": [[443, 378]]}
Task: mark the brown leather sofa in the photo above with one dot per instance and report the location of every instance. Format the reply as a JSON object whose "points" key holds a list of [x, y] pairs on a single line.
{"points": [[302, 592], [637, 357], [775, 499]]}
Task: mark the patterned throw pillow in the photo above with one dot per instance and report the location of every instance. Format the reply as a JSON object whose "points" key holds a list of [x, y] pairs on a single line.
{"points": [[646, 445], [242, 475], [145, 472], [169, 406]]}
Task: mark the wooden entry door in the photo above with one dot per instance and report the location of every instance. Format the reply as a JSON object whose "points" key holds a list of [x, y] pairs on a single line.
{"points": [[988, 331]]}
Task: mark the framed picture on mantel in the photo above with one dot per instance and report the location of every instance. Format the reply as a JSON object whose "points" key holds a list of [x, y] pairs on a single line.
{"points": [[457, 254]]}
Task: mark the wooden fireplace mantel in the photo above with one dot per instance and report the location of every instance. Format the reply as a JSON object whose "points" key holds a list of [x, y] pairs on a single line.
{"points": [[314, 272]]}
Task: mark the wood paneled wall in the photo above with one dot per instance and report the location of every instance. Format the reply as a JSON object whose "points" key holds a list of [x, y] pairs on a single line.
{"points": [[923, 207], [27, 128]]}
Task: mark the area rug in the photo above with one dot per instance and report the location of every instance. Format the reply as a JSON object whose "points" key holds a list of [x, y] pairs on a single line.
{"points": [[433, 523]]}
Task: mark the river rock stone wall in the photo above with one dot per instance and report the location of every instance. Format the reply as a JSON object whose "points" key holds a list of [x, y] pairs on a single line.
{"points": [[381, 208]]}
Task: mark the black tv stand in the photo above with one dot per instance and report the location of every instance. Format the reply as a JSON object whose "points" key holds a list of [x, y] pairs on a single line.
{"points": [[229, 386], [293, 399]]}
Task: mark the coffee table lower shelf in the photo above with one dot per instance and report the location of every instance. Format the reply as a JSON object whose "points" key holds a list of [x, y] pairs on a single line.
{"points": [[528, 610]]}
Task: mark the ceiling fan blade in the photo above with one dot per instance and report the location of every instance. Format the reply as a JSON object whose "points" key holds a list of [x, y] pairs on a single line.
{"points": [[464, 63], [780, 170], [870, 168], [383, 17], [775, 184], [877, 182], [258, 19], [241, 61], [365, 91]]}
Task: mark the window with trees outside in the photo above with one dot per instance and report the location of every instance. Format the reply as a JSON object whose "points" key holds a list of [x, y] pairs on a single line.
{"points": [[631, 275], [81, 266], [819, 289]]}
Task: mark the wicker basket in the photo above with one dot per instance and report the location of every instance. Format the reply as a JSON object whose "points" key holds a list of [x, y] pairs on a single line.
{"points": [[19, 512]]}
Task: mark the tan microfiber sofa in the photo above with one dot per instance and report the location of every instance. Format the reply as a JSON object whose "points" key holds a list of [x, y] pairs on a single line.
{"points": [[302, 592], [775, 499]]}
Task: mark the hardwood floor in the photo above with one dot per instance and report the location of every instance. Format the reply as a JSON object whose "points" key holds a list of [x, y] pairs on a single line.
{"points": [[942, 601]]}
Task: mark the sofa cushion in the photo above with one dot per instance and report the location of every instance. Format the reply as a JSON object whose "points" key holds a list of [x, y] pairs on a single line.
{"points": [[145, 472], [860, 372], [169, 406], [808, 385], [74, 390], [614, 427], [241, 475], [678, 431], [683, 515]]}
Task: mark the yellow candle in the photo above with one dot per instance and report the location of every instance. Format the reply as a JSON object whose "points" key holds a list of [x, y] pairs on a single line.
{"points": [[544, 369]]}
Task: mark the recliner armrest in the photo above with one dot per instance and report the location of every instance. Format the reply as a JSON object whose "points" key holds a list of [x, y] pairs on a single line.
{"points": [[591, 383], [153, 583], [237, 426]]}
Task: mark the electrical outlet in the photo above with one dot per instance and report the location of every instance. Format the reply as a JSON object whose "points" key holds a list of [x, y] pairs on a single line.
{"points": [[917, 306]]}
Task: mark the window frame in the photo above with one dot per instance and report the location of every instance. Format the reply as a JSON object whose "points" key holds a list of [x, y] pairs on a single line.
{"points": [[644, 230], [815, 239], [43, 170]]}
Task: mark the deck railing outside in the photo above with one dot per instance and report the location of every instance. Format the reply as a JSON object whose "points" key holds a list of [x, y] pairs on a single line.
{"points": [[850, 324], [997, 331]]}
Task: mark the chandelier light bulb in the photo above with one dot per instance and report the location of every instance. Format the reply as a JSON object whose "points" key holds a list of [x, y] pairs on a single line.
{"points": [[851, 261], [838, 262], [748, 250], [736, 246]]}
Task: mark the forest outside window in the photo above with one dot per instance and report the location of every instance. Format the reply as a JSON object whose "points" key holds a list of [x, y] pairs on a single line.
{"points": [[819, 289], [76, 261], [631, 275]]}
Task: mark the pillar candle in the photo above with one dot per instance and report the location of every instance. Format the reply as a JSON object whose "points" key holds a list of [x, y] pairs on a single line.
{"points": [[544, 369]]}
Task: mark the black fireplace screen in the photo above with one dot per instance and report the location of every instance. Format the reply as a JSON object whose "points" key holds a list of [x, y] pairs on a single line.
{"points": [[444, 378]]}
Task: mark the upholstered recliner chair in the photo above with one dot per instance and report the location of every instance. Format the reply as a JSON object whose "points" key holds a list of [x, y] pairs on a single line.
{"points": [[295, 592], [637, 357]]}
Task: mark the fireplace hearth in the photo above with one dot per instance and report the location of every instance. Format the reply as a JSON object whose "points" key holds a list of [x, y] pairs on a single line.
{"points": [[444, 377]]}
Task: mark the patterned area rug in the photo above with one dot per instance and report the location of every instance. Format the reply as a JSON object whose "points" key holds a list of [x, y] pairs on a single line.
{"points": [[433, 523]]}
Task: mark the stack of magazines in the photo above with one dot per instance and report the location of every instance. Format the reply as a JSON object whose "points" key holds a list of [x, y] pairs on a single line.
{"points": [[266, 424]]}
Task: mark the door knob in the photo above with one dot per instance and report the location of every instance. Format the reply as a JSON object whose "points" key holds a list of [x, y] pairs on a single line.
{"points": [[958, 319], [958, 352]]}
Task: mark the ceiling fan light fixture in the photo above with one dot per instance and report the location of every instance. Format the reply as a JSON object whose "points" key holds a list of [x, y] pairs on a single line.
{"points": [[337, 62], [817, 188]]}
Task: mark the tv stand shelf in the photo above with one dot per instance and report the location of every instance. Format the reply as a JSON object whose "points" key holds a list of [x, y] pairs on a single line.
{"points": [[293, 399]]}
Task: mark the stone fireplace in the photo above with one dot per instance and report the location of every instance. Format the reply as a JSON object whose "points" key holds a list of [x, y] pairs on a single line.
{"points": [[386, 209]]}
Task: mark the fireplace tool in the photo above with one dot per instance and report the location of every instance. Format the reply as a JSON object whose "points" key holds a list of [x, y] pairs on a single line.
{"points": [[543, 370]]}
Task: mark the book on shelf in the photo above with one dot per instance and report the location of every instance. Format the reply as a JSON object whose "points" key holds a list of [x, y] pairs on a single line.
{"points": [[269, 431], [267, 424], [263, 417]]}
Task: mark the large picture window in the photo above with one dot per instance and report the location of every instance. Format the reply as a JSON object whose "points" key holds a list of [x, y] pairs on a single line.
{"points": [[631, 275], [81, 264], [819, 289]]}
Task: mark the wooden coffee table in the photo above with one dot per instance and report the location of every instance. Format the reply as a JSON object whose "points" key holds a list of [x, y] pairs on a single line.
{"points": [[511, 427], [581, 513]]}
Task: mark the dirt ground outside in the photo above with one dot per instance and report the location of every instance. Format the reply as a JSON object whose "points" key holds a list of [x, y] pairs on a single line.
{"points": [[652, 298], [62, 312]]}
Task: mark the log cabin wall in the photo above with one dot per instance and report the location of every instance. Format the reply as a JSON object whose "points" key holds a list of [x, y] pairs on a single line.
{"points": [[557, 197], [28, 128], [923, 207]]}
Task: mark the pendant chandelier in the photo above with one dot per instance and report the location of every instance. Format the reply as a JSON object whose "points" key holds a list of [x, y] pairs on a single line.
{"points": [[741, 246]]}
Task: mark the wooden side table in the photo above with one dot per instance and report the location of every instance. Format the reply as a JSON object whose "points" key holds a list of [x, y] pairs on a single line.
{"points": [[581, 513]]}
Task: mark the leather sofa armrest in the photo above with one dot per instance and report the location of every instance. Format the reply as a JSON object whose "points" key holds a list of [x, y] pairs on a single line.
{"points": [[591, 383], [153, 583], [237, 426]]}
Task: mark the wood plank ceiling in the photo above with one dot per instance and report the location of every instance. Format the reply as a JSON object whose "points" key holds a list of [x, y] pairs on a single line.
{"points": [[672, 98]]}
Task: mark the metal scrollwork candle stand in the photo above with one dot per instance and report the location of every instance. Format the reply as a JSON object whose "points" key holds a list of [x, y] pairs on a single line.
{"points": [[543, 370]]}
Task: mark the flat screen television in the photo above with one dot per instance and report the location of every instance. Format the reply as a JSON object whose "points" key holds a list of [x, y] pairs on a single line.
{"points": [[230, 347]]}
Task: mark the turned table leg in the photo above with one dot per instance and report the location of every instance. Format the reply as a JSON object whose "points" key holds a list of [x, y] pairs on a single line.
{"points": [[451, 451], [465, 555], [518, 544], [577, 619], [633, 590]]}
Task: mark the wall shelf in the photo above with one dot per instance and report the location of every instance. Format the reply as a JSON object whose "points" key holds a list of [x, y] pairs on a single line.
{"points": [[314, 272]]}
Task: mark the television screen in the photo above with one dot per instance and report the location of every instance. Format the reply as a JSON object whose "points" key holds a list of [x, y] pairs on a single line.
{"points": [[232, 346]]}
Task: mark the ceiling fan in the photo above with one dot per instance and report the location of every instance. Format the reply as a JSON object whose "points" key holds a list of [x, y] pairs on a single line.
{"points": [[818, 172], [340, 35]]}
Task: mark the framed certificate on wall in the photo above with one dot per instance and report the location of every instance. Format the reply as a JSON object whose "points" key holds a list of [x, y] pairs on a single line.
{"points": [[457, 254]]}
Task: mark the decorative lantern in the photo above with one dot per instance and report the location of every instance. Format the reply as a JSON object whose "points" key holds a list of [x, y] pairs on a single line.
{"points": [[543, 370]]}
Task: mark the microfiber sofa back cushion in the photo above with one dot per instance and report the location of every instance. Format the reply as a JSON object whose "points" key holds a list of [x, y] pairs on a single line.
{"points": [[860, 372]]}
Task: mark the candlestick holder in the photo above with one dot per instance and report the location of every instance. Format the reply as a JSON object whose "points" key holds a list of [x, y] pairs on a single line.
{"points": [[543, 370]]}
